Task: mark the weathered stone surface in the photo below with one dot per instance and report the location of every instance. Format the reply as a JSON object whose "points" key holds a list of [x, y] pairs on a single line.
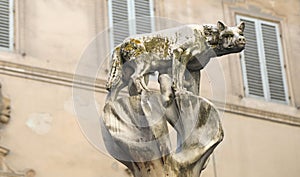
{"points": [[135, 128], [137, 135], [171, 52]]}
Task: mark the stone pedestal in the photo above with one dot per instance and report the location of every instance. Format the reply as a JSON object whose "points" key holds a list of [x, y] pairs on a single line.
{"points": [[135, 132]]}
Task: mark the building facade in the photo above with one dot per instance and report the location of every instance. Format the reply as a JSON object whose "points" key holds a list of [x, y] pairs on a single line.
{"points": [[53, 51]]}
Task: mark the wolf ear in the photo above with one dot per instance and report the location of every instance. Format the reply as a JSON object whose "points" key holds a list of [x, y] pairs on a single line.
{"points": [[241, 26], [221, 26]]}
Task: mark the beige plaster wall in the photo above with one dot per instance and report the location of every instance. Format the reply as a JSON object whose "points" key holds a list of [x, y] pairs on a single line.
{"points": [[54, 34], [255, 148], [44, 133]]}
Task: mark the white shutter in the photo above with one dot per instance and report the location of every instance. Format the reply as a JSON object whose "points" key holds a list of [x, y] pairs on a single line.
{"points": [[6, 26], [143, 16], [119, 18], [262, 61], [273, 62], [252, 64], [128, 17]]}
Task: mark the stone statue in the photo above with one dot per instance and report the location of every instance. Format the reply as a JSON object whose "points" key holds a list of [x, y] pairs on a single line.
{"points": [[170, 52], [135, 128]]}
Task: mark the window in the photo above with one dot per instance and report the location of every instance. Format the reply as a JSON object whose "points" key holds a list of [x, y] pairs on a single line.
{"points": [[6, 24], [128, 17], [262, 61]]}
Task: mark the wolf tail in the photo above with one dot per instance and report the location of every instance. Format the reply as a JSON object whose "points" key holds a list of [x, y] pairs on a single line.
{"points": [[115, 73]]}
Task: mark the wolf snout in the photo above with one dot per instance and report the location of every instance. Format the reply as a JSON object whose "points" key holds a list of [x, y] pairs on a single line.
{"points": [[242, 40]]}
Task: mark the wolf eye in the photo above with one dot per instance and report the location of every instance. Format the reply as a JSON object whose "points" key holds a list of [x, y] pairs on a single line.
{"points": [[241, 34]]}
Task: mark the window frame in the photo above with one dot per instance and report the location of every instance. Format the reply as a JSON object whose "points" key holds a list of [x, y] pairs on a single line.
{"points": [[262, 59], [11, 28]]}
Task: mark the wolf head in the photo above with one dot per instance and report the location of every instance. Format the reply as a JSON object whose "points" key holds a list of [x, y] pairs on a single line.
{"points": [[231, 39]]}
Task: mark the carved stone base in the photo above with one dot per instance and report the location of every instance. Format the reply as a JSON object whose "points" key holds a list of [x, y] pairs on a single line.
{"points": [[135, 132]]}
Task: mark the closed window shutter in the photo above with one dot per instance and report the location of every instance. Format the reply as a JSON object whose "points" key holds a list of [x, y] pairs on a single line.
{"points": [[5, 24], [273, 63], [143, 16], [252, 61], [120, 20], [262, 61], [128, 17]]}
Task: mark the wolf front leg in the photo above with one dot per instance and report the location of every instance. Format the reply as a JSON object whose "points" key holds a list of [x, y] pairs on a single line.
{"points": [[175, 67], [180, 69]]}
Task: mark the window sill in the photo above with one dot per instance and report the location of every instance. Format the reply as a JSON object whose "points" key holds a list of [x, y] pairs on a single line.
{"points": [[9, 55], [256, 108]]}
